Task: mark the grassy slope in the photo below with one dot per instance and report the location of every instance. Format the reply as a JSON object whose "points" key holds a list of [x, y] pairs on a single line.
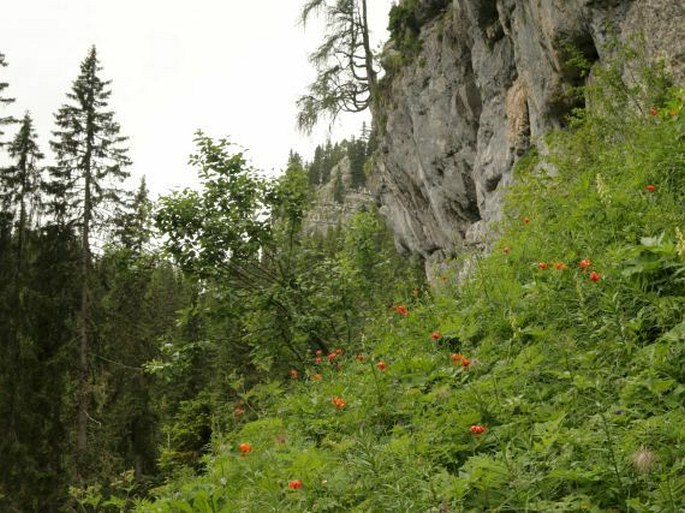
{"points": [[580, 384]]}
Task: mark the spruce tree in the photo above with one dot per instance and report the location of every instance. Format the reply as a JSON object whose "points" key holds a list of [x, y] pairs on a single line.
{"points": [[356, 152], [338, 188], [314, 168], [90, 165], [19, 187], [6, 120], [20, 182], [133, 225]]}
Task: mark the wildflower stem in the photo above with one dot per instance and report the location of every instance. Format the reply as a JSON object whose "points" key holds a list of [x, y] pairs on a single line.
{"points": [[379, 392], [612, 453]]}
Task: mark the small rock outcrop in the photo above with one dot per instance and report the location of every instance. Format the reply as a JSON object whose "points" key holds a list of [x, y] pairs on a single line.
{"points": [[336, 201], [490, 79]]}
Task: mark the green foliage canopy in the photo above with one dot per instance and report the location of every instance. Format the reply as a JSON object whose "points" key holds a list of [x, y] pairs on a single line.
{"points": [[221, 229]]}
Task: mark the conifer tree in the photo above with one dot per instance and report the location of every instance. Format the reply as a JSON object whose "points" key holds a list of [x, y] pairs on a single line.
{"points": [[133, 226], [356, 152], [37, 292], [314, 168], [90, 165], [6, 120], [338, 188], [20, 182], [19, 185], [347, 74], [33, 330]]}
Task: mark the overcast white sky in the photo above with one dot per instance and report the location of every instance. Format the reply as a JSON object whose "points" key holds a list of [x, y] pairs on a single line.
{"points": [[230, 67]]}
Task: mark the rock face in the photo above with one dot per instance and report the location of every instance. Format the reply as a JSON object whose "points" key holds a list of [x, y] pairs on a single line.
{"points": [[490, 80]]}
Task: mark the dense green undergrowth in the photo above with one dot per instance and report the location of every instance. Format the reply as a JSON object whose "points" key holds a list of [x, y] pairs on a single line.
{"points": [[552, 380]]}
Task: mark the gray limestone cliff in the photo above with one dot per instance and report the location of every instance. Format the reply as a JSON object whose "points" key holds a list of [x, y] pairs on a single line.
{"points": [[490, 79]]}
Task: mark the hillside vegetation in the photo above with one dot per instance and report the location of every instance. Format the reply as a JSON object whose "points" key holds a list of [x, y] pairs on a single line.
{"points": [[552, 379]]}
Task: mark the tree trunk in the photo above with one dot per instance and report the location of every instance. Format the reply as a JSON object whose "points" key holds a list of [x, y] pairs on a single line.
{"points": [[23, 166], [85, 324], [368, 57], [84, 328]]}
